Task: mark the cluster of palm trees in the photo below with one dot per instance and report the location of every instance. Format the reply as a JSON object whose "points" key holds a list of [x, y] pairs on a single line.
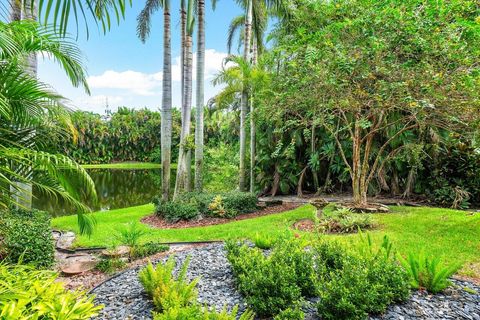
{"points": [[190, 12], [245, 75]]}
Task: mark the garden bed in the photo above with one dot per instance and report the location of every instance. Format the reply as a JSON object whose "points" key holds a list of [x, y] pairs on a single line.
{"points": [[160, 223], [124, 297]]}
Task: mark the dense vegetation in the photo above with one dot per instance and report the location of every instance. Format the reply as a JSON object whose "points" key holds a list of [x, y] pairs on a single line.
{"points": [[195, 205], [350, 284], [26, 237]]}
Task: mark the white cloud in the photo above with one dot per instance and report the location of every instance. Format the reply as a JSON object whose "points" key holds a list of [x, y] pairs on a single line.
{"points": [[97, 103], [148, 84], [137, 82]]}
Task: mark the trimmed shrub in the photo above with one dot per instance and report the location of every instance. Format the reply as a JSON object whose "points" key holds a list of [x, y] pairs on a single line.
{"points": [[26, 237], [174, 211], [239, 202], [192, 204], [290, 314], [31, 294], [355, 284], [272, 283]]}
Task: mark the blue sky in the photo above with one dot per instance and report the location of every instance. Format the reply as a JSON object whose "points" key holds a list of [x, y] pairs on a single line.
{"points": [[128, 72]]}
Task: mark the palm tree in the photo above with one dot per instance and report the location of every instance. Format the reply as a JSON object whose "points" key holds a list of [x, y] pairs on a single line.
{"points": [[103, 12], [183, 181], [143, 30], [27, 105], [199, 140]]}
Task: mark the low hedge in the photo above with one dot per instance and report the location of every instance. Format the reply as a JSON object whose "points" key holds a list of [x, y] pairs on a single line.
{"points": [[192, 205], [350, 284], [26, 237]]}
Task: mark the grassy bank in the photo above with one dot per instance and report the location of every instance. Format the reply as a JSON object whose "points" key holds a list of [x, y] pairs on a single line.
{"points": [[123, 165], [450, 234]]}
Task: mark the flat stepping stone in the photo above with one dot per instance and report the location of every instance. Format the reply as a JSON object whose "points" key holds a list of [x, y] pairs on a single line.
{"points": [[78, 264], [120, 251]]}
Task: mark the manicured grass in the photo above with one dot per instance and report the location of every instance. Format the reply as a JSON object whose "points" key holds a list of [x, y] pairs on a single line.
{"points": [[124, 165], [450, 234]]}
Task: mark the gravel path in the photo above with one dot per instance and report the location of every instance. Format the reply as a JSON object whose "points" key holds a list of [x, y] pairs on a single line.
{"points": [[124, 298]]}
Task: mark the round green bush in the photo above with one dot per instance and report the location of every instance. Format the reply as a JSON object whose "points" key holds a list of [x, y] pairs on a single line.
{"points": [[26, 237]]}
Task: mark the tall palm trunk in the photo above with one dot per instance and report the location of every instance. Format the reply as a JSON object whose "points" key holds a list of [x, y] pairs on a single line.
{"points": [[244, 98], [252, 128], [183, 22], [15, 10], [199, 140], [184, 170], [166, 125]]}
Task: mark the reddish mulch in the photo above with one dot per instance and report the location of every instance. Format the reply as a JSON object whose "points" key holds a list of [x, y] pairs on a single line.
{"points": [[306, 225], [160, 223]]}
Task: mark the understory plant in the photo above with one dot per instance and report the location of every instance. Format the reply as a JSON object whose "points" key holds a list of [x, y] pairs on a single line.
{"points": [[175, 298], [27, 293], [344, 220], [428, 272], [191, 205], [26, 237], [110, 265], [264, 241]]}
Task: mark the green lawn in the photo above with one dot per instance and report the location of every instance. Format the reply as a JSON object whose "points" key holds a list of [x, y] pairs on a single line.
{"points": [[124, 165], [453, 235]]}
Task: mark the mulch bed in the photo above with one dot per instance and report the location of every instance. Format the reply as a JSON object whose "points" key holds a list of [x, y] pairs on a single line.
{"points": [[306, 225], [161, 223]]}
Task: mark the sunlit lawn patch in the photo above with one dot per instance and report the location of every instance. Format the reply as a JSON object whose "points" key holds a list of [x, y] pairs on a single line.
{"points": [[452, 235]]}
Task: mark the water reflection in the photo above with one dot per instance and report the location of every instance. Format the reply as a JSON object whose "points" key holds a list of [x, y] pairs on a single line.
{"points": [[115, 189]]}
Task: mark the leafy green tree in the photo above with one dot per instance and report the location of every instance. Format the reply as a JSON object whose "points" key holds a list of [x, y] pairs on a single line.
{"points": [[383, 69]]}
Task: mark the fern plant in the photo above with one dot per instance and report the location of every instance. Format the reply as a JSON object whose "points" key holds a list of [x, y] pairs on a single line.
{"points": [[428, 273], [166, 290]]}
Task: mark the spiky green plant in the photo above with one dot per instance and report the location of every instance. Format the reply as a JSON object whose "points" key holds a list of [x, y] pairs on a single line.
{"points": [[428, 272], [166, 290]]}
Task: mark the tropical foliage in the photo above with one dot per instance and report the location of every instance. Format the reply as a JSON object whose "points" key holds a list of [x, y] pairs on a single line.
{"points": [[29, 109], [31, 294]]}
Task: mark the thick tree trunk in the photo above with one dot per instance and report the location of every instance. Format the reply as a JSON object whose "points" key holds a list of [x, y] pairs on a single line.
{"points": [[166, 125], [244, 98], [199, 140]]}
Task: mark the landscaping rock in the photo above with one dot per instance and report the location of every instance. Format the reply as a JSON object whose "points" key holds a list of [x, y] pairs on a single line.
{"points": [[78, 264], [124, 297], [120, 251]]}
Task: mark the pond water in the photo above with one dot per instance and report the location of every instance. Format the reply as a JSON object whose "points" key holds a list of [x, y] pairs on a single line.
{"points": [[115, 189]]}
